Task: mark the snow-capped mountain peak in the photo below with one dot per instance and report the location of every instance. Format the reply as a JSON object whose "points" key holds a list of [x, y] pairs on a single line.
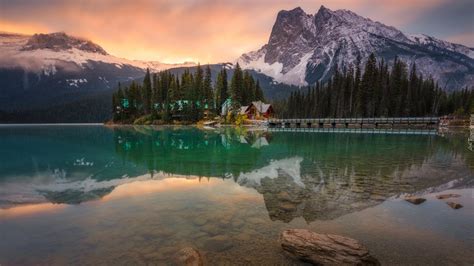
{"points": [[59, 41], [45, 69], [41, 51], [304, 48]]}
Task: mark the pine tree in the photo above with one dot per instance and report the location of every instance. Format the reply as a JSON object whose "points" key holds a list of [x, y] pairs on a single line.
{"points": [[198, 83], [221, 88], [147, 95], [207, 88], [258, 92], [236, 86], [248, 89]]}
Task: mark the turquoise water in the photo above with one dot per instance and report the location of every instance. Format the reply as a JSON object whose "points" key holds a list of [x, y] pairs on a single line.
{"points": [[135, 195]]}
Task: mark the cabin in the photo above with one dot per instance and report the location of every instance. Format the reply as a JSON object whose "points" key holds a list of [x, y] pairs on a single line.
{"points": [[257, 110]]}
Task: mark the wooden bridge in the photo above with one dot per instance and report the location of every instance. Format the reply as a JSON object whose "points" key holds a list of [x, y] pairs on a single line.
{"points": [[382, 122]]}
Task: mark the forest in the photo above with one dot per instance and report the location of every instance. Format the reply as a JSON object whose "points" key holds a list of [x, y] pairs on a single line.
{"points": [[164, 96], [378, 91]]}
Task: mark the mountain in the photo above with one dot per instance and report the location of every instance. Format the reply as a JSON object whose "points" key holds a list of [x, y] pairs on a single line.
{"points": [[52, 70], [303, 49]]}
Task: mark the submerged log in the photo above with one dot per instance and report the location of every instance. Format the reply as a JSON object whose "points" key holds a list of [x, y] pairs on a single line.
{"points": [[325, 249]]}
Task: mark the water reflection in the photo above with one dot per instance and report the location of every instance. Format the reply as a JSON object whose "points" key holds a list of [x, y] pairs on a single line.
{"points": [[299, 174], [470, 140]]}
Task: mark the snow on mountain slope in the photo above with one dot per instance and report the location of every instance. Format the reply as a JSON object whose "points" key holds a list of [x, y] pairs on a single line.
{"points": [[303, 49], [44, 70], [43, 51]]}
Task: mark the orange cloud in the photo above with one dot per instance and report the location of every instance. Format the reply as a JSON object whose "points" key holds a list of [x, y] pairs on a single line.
{"points": [[208, 31]]}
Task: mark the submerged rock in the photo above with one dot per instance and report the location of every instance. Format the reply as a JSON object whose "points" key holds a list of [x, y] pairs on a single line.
{"points": [[415, 200], [210, 229], [454, 205], [199, 221], [325, 249], [218, 243], [447, 196], [189, 256], [287, 206]]}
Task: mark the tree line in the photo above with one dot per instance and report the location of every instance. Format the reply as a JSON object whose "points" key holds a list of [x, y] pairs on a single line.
{"points": [[165, 96], [378, 91]]}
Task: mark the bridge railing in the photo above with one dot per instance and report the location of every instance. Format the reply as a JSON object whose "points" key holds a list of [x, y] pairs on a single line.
{"points": [[355, 120]]}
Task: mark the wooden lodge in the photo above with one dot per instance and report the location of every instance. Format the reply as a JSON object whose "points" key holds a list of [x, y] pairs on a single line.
{"points": [[257, 110]]}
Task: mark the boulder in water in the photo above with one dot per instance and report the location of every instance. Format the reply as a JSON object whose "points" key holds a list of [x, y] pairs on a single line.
{"points": [[325, 249], [454, 205], [415, 200], [447, 196]]}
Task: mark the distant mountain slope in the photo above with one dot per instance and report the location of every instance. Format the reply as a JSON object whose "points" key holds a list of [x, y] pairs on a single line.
{"points": [[46, 70], [304, 49]]}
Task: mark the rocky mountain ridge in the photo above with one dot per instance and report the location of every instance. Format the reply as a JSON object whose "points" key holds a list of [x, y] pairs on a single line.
{"points": [[304, 48]]}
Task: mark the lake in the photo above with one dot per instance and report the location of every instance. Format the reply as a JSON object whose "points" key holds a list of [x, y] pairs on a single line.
{"points": [[93, 195]]}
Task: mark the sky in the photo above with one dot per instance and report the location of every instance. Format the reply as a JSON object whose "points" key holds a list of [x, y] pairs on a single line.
{"points": [[211, 31]]}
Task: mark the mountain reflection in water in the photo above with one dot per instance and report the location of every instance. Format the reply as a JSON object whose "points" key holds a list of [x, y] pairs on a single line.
{"points": [[310, 175]]}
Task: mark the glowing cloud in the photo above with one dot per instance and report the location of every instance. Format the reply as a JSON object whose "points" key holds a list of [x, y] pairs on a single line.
{"points": [[174, 31]]}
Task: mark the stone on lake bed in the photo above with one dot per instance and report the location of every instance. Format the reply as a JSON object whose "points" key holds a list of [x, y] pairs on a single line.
{"points": [[237, 223], [189, 256], [415, 200], [255, 220], [210, 229], [200, 221], [218, 243], [164, 232], [454, 205], [325, 249], [287, 206], [243, 237], [447, 196]]}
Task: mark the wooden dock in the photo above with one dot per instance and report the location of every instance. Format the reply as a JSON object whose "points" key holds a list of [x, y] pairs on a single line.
{"points": [[367, 123]]}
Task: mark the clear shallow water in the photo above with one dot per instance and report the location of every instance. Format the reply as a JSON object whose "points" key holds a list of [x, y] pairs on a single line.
{"points": [[96, 195]]}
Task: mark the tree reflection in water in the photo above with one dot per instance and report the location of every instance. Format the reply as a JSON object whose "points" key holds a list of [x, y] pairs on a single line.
{"points": [[314, 176]]}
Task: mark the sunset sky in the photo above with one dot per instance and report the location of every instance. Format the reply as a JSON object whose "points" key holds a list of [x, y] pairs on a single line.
{"points": [[211, 31]]}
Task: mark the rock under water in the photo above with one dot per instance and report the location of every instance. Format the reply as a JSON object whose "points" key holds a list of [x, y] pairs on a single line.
{"points": [[189, 256], [325, 249], [415, 200]]}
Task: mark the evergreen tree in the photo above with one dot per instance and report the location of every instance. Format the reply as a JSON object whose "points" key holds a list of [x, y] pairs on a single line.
{"points": [[207, 88], [147, 92], [236, 86], [221, 88], [198, 83], [258, 92]]}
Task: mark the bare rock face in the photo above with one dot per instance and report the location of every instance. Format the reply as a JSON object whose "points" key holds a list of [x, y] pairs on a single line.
{"points": [[325, 249], [189, 257], [447, 196], [59, 41], [454, 205], [415, 200], [306, 48]]}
